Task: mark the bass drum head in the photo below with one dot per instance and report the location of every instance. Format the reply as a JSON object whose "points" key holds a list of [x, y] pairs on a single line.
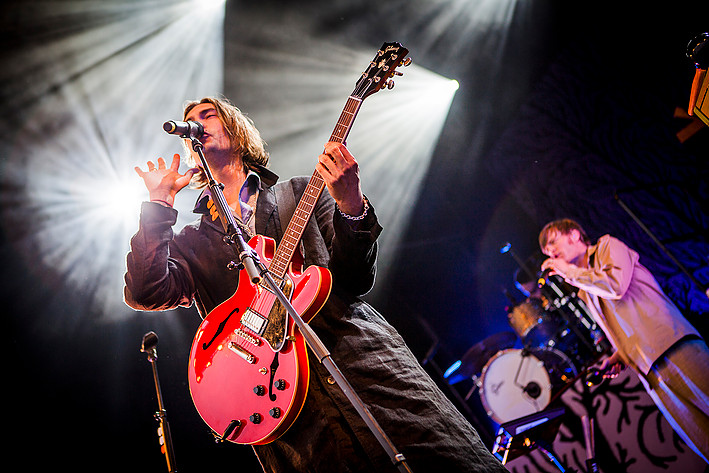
{"points": [[516, 383]]}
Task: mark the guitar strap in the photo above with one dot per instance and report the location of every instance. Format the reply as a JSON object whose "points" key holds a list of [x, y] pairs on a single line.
{"points": [[285, 201]]}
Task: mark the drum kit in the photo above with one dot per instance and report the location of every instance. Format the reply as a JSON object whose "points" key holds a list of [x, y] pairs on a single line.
{"points": [[559, 340]]}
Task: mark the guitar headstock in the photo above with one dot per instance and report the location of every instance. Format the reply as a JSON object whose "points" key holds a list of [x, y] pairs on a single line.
{"points": [[381, 69]]}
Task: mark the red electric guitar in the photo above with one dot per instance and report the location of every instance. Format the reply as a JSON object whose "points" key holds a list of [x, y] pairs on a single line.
{"points": [[248, 367]]}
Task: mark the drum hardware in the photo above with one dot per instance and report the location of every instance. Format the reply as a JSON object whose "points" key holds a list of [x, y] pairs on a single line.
{"points": [[535, 431], [574, 311], [532, 388], [476, 385]]}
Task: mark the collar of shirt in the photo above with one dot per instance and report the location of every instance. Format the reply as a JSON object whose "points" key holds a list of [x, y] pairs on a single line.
{"points": [[247, 198]]}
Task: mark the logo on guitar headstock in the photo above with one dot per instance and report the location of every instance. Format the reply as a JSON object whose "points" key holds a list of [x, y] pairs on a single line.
{"points": [[381, 69]]}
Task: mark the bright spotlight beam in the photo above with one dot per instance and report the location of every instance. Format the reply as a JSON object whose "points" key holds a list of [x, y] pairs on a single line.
{"points": [[295, 93], [396, 138], [97, 101]]}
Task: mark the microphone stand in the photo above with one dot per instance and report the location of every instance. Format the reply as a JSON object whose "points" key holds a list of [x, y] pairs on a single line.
{"points": [[150, 342], [258, 272]]}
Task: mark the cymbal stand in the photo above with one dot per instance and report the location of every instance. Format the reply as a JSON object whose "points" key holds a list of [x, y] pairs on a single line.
{"points": [[258, 273]]}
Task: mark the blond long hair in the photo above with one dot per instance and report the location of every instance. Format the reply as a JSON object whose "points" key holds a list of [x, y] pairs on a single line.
{"points": [[245, 138]]}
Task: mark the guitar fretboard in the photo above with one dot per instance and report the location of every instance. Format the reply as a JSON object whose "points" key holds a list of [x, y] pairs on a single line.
{"points": [[304, 210]]}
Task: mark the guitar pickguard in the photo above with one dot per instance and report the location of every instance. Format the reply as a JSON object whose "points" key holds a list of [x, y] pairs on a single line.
{"points": [[277, 325]]}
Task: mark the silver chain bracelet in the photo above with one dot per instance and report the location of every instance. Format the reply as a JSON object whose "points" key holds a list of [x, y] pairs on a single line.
{"points": [[360, 217]]}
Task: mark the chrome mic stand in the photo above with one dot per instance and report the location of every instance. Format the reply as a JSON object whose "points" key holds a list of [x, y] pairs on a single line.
{"points": [[257, 273]]}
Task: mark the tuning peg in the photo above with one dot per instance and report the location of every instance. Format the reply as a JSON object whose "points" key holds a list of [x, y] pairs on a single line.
{"points": [[389, 84], [397, 73], [406, 62]]}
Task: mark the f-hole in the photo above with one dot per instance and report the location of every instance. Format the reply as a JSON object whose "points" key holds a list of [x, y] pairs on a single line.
{"points": [[274, 367], [220, 329]]}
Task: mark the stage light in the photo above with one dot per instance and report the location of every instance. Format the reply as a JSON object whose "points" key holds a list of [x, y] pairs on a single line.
{"points": [[121, 199], [87, 122], [452, 369]]}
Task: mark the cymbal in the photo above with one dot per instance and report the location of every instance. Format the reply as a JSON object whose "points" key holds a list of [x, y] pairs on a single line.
{"points": [[474, 360]]}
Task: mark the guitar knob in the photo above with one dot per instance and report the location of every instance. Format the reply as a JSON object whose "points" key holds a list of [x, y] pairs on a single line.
{"points": [[255, 418], [260, 390], [280, 384], [275, 412]]}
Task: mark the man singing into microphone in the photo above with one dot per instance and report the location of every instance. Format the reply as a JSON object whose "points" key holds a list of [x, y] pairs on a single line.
{"points": [[167, 270], [647, 330]]}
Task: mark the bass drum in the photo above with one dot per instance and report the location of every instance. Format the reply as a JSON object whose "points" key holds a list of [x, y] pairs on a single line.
{"points": [[516, 383]]}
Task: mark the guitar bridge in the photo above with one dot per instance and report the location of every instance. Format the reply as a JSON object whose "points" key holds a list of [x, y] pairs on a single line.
{"points": [[247, 337]]}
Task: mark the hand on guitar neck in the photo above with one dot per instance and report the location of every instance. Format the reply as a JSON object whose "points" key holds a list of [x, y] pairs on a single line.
{"points": [[340, 171]]}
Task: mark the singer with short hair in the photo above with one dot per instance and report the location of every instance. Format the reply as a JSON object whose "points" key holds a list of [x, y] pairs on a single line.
{"points": [[646, 329], [168, 269]]}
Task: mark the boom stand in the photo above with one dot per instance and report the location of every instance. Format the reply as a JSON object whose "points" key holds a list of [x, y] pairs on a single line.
{"points": [[257, 273], [150, 342]]}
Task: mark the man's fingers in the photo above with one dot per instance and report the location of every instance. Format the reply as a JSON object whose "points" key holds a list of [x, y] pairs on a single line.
{"points": [[175, 165], [321, 167]]}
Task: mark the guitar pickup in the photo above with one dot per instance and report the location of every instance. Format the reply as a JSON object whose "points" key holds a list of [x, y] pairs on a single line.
{"points": [[248, 357], [254, 321]]}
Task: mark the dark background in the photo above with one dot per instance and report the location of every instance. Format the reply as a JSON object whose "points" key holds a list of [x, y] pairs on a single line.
{"points": [[562, 109]]}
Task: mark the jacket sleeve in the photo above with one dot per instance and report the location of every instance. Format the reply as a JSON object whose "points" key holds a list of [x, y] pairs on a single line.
{"points": [[154, 280], [611, 271], [352, 246]]}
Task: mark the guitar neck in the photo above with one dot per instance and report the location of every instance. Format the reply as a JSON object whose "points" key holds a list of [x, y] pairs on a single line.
{"points": [[304, 210]]}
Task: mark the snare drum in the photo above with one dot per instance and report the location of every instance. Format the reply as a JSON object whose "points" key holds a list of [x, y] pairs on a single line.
{"points": [[516, 383]]}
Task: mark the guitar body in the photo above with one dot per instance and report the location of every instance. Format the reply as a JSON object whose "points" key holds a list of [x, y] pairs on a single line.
{"points": [[249, 362]]}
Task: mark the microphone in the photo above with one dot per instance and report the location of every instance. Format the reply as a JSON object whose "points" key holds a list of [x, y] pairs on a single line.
{"points": [[543, 277], [192, 130], [149, 345]]}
